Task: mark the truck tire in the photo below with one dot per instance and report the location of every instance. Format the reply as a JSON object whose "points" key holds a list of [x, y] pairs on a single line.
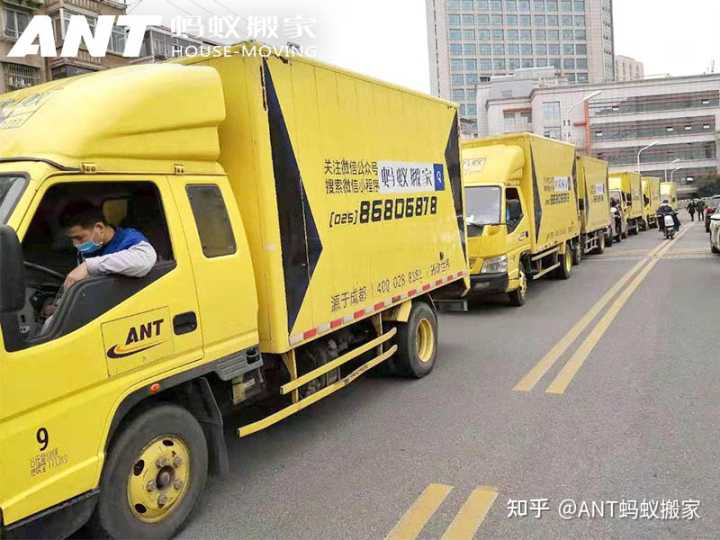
{"points": [[518, 297], [417, 343], [600, 249], [566, 263], [153, 477], [578, 250]]}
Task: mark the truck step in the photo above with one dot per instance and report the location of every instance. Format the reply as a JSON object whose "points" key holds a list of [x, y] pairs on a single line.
{"points": [[452, 305], [545, 254], [546, 271]]}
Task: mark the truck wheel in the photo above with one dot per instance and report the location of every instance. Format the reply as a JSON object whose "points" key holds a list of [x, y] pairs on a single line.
{"points": [[417, 343], [153, 477], [578, 250], [565, 264], [518, 297], [600, 249]]}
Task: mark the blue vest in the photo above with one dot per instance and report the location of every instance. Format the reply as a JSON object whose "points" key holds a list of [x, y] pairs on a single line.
{"points": [[122, 240]]}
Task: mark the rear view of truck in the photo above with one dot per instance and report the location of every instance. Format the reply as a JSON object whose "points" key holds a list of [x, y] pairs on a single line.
{"points": [[628, 186], [594, 203], [668, 192], [522, 212]]}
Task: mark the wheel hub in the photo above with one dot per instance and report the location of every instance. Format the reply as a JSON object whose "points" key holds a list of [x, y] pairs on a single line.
{"points": [[159, 479], [425, 341]]}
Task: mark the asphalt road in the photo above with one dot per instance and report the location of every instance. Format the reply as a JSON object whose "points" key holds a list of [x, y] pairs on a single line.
{"points": [[628, 411]]}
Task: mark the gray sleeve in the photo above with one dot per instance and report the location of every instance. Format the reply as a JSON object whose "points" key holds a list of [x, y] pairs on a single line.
{"points": [[136, 261]]}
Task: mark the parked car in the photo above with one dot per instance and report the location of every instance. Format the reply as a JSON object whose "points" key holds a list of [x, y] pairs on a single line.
{"points": [[711, 205], [714, 220]]}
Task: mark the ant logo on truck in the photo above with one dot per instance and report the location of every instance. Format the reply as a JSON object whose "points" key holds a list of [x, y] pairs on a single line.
{"points": [[139, 338]]}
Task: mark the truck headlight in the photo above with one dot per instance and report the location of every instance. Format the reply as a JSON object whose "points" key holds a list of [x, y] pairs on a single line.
{"points": [[495, 265]]}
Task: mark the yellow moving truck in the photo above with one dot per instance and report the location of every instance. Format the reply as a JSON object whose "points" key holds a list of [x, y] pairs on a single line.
{"points": [[303, 218], [594, 204], [522, 212], [652, 200], [668, 192], [628, 186]]}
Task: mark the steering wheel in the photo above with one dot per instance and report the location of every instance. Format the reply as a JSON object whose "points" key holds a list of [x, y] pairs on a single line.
{"points": [[45, 270]]}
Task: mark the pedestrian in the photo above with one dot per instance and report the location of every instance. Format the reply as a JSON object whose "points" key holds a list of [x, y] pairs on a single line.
{"points": [[700, 207], [691, 209]]}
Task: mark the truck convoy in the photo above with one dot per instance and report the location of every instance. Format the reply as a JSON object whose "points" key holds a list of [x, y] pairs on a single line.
{"points": [[626, 187], [303, 216], [652, 200], [593, 204], [522, 212], [668, 191]]}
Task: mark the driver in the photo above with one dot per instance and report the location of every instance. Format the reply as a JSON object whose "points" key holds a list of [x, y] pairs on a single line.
{"points": [[666, 210], [103, 249]]}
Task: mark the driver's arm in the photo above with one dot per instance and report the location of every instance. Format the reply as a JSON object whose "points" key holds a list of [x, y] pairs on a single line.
{"points": [[136, 261]]}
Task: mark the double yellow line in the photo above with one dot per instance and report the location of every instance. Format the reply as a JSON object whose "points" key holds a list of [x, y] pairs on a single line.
{"points": [[463, 527], [568, 372]]}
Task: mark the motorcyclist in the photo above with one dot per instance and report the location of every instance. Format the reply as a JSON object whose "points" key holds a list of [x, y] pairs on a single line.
{"points": [[664, 210]]}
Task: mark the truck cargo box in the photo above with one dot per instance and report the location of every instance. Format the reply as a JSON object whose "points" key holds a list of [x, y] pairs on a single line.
{"points": [[349, 189], [593, 192], [543, 169], [630, 184], [668, 191]]}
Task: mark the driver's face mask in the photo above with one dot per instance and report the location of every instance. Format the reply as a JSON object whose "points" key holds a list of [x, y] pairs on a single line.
{"points": [[90, 246]]}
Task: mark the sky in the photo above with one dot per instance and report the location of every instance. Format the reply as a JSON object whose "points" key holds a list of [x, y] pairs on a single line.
{"points": [[387, 39]]}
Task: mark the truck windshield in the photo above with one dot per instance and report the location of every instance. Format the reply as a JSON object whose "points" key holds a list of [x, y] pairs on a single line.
{"points": [[11, 188], [483, 205]]}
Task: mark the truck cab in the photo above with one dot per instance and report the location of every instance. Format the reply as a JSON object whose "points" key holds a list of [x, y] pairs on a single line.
{"points": [[497, 237], [618, 209]]}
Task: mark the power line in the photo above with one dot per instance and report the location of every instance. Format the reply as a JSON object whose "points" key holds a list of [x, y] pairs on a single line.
{"points": [[226, 7], [185, 11], [197, 4], [135, 6]]}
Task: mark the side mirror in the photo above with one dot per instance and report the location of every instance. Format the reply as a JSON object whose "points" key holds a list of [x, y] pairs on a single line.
{"points": [[12, 272]]}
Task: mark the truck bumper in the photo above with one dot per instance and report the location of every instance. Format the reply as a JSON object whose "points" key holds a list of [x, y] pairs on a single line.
{"points": [[59, 521], [482, 284]]}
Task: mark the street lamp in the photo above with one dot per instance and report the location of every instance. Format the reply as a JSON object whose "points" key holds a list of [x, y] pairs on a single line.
{"points": [[568, 123], [672, 173], [673, 163], [641, 151]]}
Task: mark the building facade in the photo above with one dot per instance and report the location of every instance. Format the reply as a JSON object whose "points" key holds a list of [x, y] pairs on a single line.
{"points": [[628, 69], [678, 116], [470, 41], [159, 44], [15, 15]]}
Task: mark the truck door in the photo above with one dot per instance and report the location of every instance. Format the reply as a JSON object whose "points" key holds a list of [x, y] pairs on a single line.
{"points": [[518, 231], [221, 258], [62, 380]]}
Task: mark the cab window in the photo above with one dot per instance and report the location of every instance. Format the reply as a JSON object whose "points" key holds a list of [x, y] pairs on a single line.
{"points": [[513, 209], [50, 311], [482, 204], [11, 188]]}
